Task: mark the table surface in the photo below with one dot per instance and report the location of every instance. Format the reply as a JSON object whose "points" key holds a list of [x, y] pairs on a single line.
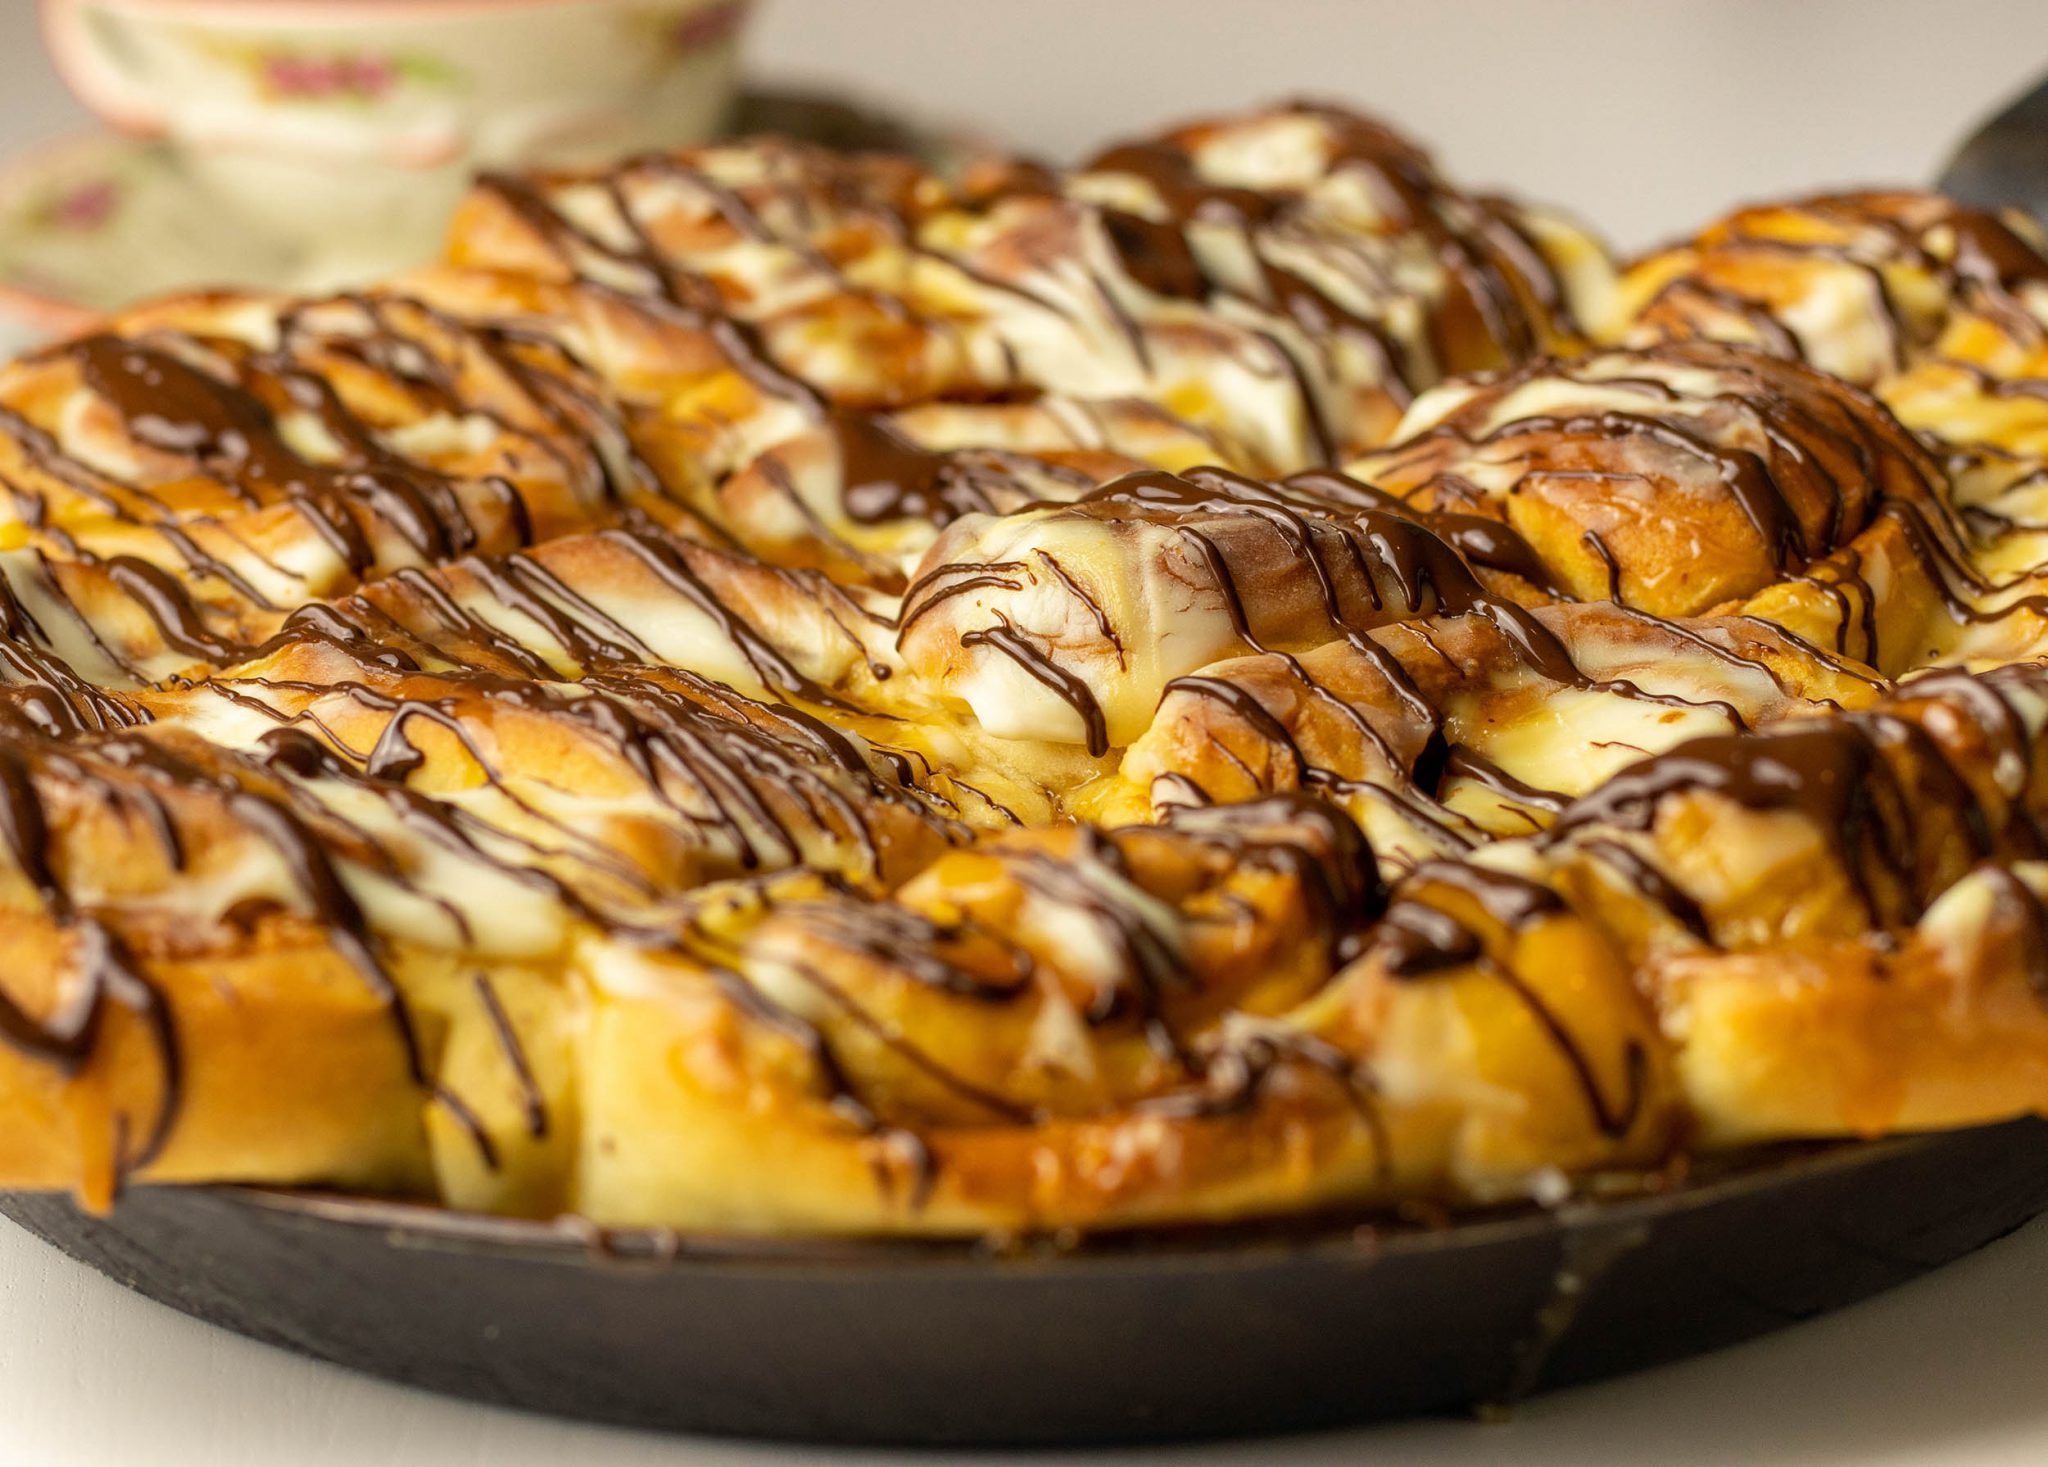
{"points": [[1644, 115]]}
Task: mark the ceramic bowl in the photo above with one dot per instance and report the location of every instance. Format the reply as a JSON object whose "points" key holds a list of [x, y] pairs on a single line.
{"points": [[357, 122]]}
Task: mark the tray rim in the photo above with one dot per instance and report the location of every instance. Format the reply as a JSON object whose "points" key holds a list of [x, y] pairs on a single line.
{"points": [[1363, 1235]]}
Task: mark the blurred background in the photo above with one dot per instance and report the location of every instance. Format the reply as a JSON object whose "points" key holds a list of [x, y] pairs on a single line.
{"points": [[1643, 115]]}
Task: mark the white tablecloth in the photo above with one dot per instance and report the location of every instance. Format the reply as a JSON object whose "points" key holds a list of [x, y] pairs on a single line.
{"points": [[1644, 115]]}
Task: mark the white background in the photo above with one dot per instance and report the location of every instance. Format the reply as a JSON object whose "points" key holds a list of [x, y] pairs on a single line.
{"points": [[1644, 115]]}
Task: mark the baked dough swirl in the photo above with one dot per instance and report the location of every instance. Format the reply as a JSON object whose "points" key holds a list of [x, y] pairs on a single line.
{"points": [[773, 693]]}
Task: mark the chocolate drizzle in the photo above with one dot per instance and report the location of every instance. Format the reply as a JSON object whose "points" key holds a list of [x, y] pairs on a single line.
{"points": [[1070, 689], [885, 477], [105, 973], [1498, 278], [174, 407], [1749, 268], [1806, 460]]}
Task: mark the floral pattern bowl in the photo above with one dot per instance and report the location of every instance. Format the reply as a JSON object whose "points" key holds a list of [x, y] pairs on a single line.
{"points": [[354, 124]]}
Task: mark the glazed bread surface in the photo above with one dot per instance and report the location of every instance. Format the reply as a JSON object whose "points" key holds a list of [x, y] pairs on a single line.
{"points": [[774, 693]]}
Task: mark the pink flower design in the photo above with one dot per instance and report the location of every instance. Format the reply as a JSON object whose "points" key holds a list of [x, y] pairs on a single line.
{"points": [[85, 206], [706, 27], [313, 78]]}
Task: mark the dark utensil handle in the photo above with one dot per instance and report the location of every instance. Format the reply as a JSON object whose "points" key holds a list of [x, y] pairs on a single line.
{"points": [[2006, 163]]}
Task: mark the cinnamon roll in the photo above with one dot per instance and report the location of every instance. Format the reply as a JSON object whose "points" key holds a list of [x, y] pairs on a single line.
{"points": [[1859, 285], [1672, 480]]}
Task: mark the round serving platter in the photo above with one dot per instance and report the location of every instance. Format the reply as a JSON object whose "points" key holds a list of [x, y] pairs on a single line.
{"points": [[1199, 1333]]}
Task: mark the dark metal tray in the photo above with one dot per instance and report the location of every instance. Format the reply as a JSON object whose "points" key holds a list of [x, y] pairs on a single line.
{"points": [[1200, 1333]]}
